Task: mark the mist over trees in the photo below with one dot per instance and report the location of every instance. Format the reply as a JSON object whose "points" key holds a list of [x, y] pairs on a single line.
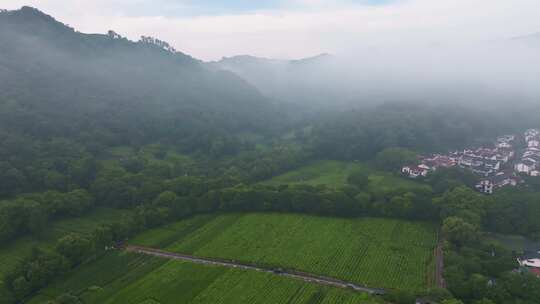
{"points": [[481, 75]]}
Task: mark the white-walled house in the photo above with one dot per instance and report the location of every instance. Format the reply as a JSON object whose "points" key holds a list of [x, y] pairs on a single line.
{"points": [[530, 259], [415, 171], [533, 143], [531, 133], [485, 186], [504, 145], [525, 166]]}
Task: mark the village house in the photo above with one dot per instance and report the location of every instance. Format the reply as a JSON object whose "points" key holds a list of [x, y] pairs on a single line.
{"points": [[534, 157], [530, 133], [505, 155], [485, 186], [534, 143], [504, 145], [530, 160], [415, 171], [506, 178], [530, 260], [501, 179], [484, 161], [531, 152], [525, 166], [532, 137], [440, 161], [506, 138], [429, 164]]}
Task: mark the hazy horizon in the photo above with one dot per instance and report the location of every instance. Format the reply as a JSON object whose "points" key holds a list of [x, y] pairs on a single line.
{"points": [[210, 30]]}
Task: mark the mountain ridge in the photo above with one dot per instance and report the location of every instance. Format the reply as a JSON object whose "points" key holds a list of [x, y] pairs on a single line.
{"points": [[65, 81]]}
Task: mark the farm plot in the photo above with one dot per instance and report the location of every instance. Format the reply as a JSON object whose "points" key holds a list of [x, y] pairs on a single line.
{"points": [[374, 252], [180, 282], [101, 279], [331, 173], [131, 278], [165, 235], [334, 174]]}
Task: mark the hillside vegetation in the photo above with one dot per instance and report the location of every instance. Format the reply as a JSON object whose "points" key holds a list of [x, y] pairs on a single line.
{"points": [[67, 96]]}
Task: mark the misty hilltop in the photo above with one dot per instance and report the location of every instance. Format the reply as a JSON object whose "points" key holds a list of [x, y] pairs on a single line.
{"points": [[58, 81], [307, 81], [474, 72]]}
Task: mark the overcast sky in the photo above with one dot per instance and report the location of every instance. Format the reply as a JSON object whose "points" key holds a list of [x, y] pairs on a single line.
{"points": [[299, 28]]}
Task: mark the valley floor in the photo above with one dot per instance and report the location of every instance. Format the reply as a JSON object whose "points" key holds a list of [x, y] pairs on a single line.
{"points": [[381, 253]]}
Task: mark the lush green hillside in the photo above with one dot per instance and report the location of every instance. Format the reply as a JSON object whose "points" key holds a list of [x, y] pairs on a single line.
{"points": [[66, 95], [309, 82], [375, 252], [130, 278]]}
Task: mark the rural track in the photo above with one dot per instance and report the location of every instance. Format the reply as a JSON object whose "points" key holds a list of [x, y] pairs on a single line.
{"points": [[306, 277], [439, 260]]}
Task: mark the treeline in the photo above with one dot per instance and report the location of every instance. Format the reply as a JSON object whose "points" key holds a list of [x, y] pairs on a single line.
{"points": [[30, 165], [515, 211], [77, 185], [478, 270], [44, 266], [30, 213]]}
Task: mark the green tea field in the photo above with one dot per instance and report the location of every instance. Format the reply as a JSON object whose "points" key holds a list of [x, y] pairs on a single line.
{"points": [[334, 173], [381, 253], [131, 278]]}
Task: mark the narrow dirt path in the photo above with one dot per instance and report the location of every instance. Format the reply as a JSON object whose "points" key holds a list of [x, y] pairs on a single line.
{"points": [[439, 260], [306, 277]]}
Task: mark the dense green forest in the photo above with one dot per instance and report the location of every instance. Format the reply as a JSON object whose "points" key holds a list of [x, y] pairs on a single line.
{"points": [[424, 127], [90, 121]]}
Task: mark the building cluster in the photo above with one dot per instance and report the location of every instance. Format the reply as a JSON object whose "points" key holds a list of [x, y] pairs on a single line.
{"points": [[529, 163], [428, 164], [496, 165]]}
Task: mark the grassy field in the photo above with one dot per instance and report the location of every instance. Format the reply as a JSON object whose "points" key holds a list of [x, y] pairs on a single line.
{"points": [[375, 252], [12, 252], [334, 174], [130, 278]]}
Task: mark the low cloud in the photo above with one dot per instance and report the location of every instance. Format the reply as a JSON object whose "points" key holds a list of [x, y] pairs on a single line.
{"points": [[302, 28]]}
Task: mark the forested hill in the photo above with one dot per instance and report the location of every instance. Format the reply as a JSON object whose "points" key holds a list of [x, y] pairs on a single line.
{"points": [[57, 82]]}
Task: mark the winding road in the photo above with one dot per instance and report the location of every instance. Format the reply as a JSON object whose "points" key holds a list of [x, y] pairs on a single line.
{"points": [[306, 277]]}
